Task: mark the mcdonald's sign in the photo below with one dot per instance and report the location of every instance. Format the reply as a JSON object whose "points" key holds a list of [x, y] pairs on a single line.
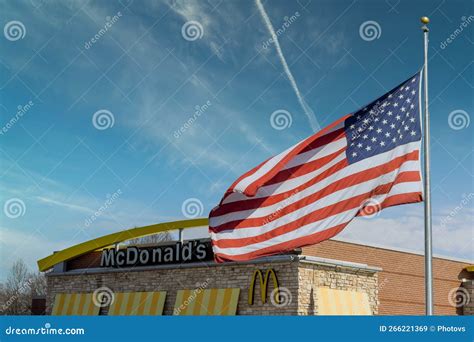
{"points": [[264, 286]]}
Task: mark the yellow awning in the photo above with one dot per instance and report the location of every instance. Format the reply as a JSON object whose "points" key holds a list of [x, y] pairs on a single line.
{"points": [[341, 302], [137, 303], [200, 302], [81, 304]]}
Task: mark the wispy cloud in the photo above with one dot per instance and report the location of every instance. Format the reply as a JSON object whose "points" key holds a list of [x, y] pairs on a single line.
{"points": [[15, 244], [197, 11], [65, 205], [404, 228]]}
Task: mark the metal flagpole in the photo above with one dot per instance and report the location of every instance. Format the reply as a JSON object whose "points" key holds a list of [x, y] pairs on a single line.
{"points": [[427, 190]]}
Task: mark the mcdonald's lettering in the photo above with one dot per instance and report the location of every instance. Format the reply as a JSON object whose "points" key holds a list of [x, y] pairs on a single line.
{"points": [[264, 286]]}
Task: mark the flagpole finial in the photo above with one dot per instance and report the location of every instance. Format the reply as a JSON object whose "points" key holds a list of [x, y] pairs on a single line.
{"points": [[425, 21]]}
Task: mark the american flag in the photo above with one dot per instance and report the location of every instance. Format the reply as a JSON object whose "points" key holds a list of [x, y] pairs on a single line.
{"points": [[358, 165]]}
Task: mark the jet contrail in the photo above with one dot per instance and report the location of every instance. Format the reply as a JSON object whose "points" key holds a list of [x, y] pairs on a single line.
{"points": [[309, 113]]}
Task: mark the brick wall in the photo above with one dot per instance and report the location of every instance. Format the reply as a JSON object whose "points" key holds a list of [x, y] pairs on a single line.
{"points": [[297, 278], [401, 281]]}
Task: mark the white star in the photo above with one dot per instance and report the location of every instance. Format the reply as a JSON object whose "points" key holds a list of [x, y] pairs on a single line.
{"points": [[413, 80], [413, 92], [395, 104], [394, 139], [374, 139], [408, 100], [382, 143], [412, 119], [387, 134], [371, 128], [389, 113], [354, 154], [398, 117], [406, 128], [392, 126], [359, 145], [365, 136], [407, 88], [413, 133], [400, 96], [376, 119], [352, 126], [401, 136], [366, 121], [412, 106], [403, 109], [368, 148], [384, 122], [379, 130], [358, 117]]}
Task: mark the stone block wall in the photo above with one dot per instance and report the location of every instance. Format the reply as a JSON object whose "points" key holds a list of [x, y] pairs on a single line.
{"points": [[297, 280], [172, 280], [312, 276]]}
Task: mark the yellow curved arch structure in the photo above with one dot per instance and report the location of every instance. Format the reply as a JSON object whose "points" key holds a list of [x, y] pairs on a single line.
{"points": [[107, 240], [264, 285]]}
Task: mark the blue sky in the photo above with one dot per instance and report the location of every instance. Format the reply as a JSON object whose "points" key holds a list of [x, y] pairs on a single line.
{"points": [[149, 76]]}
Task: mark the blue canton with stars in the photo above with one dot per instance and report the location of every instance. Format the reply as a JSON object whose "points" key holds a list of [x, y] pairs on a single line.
{"points": [[390, 121]]}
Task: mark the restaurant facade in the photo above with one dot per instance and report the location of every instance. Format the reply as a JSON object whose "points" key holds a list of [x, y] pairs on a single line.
{"points": [[106, 276]]}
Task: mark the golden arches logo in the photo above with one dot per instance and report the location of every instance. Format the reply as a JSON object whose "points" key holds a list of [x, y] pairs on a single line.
{"points": [[264, 286]]}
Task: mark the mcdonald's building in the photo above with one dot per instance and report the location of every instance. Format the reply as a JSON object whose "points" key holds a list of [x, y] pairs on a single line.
{"points": [[108, 276]]}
